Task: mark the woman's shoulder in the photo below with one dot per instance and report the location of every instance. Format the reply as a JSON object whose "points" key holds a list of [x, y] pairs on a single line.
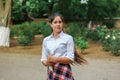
{"points": [[47, 38], [68, 36]]}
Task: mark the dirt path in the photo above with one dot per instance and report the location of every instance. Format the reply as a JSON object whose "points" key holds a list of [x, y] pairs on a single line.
{"points": [[28, 67]]}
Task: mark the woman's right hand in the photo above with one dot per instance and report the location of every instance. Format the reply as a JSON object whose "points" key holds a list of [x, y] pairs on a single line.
{"points": [[46, 63]]}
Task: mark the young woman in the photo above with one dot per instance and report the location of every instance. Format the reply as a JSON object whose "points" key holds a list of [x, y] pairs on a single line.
{"points": [[58, 51]]}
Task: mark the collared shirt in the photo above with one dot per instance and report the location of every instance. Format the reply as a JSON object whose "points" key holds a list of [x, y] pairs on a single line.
{"points": [[63, 46]]}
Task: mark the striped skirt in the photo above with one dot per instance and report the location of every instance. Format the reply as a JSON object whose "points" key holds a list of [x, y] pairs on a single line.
{"points": [[60, 72]]}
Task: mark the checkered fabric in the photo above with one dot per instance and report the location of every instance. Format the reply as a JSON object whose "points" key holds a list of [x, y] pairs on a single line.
{"points": [[60, 72]]}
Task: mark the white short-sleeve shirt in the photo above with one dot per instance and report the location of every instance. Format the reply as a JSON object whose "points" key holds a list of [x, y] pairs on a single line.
{"points": [[63, 46]]}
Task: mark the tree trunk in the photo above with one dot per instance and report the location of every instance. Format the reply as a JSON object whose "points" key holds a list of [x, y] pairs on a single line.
{"points": [[5, 12]]}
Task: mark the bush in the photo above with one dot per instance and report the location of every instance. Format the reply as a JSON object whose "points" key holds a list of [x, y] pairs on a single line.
{"points": [[24, 40], [116, 47], [98, 33], [93, 35], [76, 29], [106, 43], [111, 42], [24, 32], [81, 43], [44, 28], [14, 31]]}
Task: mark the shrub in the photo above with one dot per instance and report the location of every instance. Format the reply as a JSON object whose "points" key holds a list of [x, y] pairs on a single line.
{"points": [[111, 42], [106, 43], [24, 32], [76, 29], [24, 40], [93, 35], [98, 33], [35, 28], [14, 31], [102, 31], [115, 48], [44, 28], [81, 43]]}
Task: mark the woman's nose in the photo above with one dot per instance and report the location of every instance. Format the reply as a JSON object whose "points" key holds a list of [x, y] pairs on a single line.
{"points": [[58, 23]]}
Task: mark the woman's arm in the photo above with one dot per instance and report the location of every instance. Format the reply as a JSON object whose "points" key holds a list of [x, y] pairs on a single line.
{"points": [[63, 60]]}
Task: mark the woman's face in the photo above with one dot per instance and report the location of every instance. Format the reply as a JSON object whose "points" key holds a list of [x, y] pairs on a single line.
{"points": [[57, 24]]}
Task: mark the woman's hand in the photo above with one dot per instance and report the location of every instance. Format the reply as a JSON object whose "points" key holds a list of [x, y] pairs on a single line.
{"points": [[47, 63], [51, 59]]}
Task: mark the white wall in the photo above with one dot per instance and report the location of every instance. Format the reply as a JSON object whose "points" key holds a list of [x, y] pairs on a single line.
{"points": [[4, 36]]}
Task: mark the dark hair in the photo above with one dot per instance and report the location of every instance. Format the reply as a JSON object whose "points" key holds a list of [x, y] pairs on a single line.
{"points": [[52, 17], [78, 57]]}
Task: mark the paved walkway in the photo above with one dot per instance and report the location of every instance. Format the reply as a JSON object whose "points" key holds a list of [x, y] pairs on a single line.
{"points": [[28, 67]]}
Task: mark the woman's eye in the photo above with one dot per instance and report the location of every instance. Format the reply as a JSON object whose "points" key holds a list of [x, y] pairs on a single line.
{"points": [[60, 21], [55, 22]]}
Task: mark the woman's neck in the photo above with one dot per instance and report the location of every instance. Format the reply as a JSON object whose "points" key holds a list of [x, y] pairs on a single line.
{"points": [[55, 34]]}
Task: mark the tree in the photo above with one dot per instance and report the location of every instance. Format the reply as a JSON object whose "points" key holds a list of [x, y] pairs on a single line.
{"points": [[5, 12], [70, 9], [100, 9]]}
